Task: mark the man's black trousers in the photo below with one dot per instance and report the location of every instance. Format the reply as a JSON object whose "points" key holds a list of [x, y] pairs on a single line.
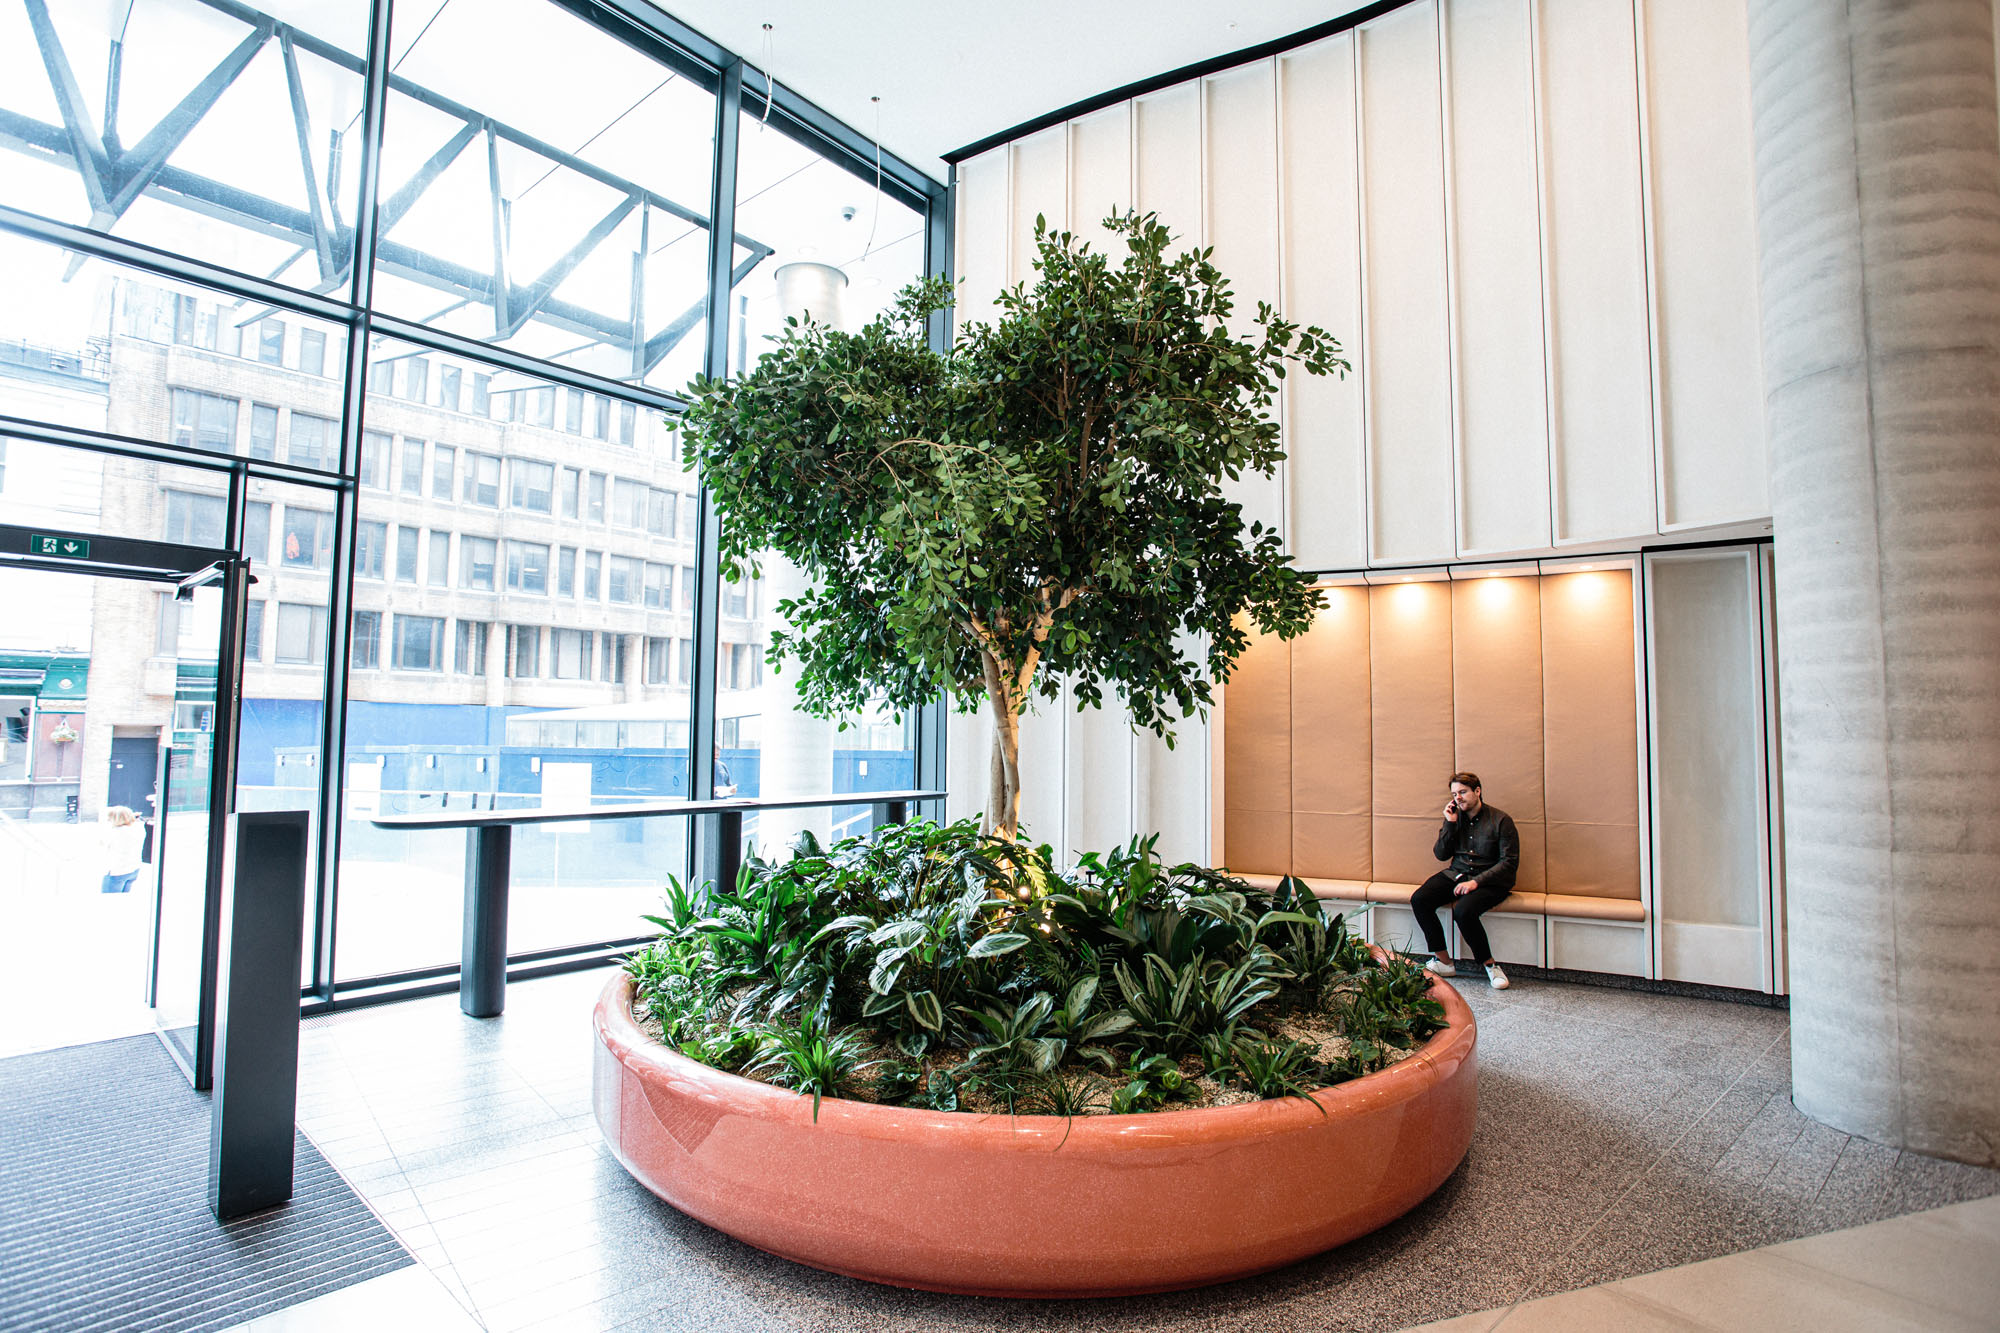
{"points": [[1436, 892]]}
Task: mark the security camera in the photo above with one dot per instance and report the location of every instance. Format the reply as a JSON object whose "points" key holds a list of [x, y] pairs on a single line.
{"points": [[847, 212]]}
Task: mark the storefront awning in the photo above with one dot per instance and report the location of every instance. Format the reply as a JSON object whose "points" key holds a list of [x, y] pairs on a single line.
{"points": [[64, 684]]}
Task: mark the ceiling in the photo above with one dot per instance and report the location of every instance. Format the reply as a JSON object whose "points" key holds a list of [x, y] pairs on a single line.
{"points": [[951, 72]]}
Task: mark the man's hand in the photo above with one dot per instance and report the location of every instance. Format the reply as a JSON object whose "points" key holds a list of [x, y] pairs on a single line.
{"points": [[1451, 812], [1463, 887]]}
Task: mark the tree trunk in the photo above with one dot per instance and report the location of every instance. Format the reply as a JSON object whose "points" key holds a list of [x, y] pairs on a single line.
{"points": [[1003, 787]]}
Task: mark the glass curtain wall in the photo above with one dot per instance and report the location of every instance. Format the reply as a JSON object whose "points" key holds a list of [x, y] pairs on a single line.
{"points": [[423, 277]]}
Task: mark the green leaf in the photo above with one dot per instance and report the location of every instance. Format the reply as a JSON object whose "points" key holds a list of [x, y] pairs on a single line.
{"points": [[992, 946]]}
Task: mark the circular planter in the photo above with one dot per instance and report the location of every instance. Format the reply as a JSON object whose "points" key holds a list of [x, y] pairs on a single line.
{"points": [[998, 1205]]}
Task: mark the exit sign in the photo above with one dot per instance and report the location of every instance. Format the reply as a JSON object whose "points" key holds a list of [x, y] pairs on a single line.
{"points": [[69, 548]]}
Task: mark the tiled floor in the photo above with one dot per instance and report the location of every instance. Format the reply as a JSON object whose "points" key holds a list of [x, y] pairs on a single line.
{"points": [[1620, 1134]]}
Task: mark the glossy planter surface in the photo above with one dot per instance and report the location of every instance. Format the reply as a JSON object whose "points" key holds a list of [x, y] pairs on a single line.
{"points": [[1035, 1205]]}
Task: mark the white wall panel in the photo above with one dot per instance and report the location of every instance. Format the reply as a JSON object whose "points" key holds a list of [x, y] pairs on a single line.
{"points": [[980, 248], [1044, 775], [1240, 180], [968, 747], [1100, 175], [1603, 428], [1714, 466], [1496, 248], [1406, 346], [1099, 815], [1325, 473], [1172, 791], [1040, 166], [1167, 139]]}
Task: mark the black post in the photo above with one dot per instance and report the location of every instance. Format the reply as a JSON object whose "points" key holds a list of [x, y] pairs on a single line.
{"points": [[722, 848], [482, 964], [888, 812], [255, 1104]]}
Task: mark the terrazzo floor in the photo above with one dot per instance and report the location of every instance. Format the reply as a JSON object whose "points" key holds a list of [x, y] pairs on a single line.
{"points": [[1620, 1133]]}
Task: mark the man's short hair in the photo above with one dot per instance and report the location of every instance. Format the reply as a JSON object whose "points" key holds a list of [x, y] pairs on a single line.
{"points": [[1465, 780]]}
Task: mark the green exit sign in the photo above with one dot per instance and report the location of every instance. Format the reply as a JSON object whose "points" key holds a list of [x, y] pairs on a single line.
{"points": [[69, 548]]}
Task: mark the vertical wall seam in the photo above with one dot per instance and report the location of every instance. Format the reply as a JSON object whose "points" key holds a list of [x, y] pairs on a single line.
{"points": [[1366, 348], [1552, 427], [1649, 243], [1454, 353]]}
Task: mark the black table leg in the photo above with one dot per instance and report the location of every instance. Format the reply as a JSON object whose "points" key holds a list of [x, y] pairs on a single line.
{"points": [[482, 977], [889, 812]]}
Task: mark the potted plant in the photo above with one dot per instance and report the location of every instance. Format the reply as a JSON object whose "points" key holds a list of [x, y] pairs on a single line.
{"points": [[1042, 501], [938, 1058]]}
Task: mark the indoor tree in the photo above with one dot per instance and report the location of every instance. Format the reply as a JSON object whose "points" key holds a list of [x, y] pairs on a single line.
{"points": [[1043, 501]]}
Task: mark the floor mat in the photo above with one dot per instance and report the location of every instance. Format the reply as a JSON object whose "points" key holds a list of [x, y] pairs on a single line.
{"points": [[104, 1221]]}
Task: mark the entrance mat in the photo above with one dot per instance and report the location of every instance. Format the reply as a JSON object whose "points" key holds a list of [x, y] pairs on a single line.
{"points": [[104, 1219]]}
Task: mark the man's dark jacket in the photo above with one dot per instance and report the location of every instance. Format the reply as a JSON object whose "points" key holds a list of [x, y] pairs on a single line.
{"points": [[1484, 846]]}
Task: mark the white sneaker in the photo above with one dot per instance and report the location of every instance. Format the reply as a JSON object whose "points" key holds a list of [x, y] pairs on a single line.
{"points": [[1496, 978], [1440, 967]]}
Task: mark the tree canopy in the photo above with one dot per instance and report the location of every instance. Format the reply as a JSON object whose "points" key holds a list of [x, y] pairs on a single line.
{"points": [[1042, 502]]}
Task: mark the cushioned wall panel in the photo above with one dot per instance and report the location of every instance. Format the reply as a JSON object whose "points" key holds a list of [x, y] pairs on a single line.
{"points": [[1240, 182], [1411, 671], [1714, 466], [1041, 189], [1408, 361], [1324, 470], [1100, 175], [1332, 846], [1332, 731], [1168, 144], [1603, 428], [1099, 814], [1496, 652], [1257, 768], [1503, 425], [1590, 734], [1708, 741], [1533, 877], [980, 253], [1258, 841]]}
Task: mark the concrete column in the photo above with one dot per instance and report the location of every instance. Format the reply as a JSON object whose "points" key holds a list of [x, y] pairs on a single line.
{"points": [[1878, 184]]}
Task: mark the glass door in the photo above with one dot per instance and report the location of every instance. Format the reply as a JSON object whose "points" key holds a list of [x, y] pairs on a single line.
{"points": [[197, 795]]}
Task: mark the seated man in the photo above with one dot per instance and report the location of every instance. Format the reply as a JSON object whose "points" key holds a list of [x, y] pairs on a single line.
{"points": [[1485, 853]]}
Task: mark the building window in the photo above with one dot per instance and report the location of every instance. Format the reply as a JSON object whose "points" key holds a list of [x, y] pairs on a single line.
{"points": [[573, 412], [530, 485], [442, 458], [600, 425], [527, 567], [382, 377], [419, 643], [416, 379], [365, 648], [475, 563], [312, 351], [686, 660], [594, 499], [524, 651], [374, 459], [658, 653], [542, 407], [407, 542], [613, 663], [312, 442], [482, 395], [628, 417], [301, 633], [253, 631], [593, 569], [369, 539], [263, 431], [737, 599], [257, 531], [204, 421], [569, 653], [482, 480], [625, 579], [628, 505], [659, 586], [471, 658], [566, 571], [412, 479], [449, 378], [308, 538], [438, 574], [569, 491], [660, 511], [174, 628], [687, 588], [271, 342], [196, 520]]}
